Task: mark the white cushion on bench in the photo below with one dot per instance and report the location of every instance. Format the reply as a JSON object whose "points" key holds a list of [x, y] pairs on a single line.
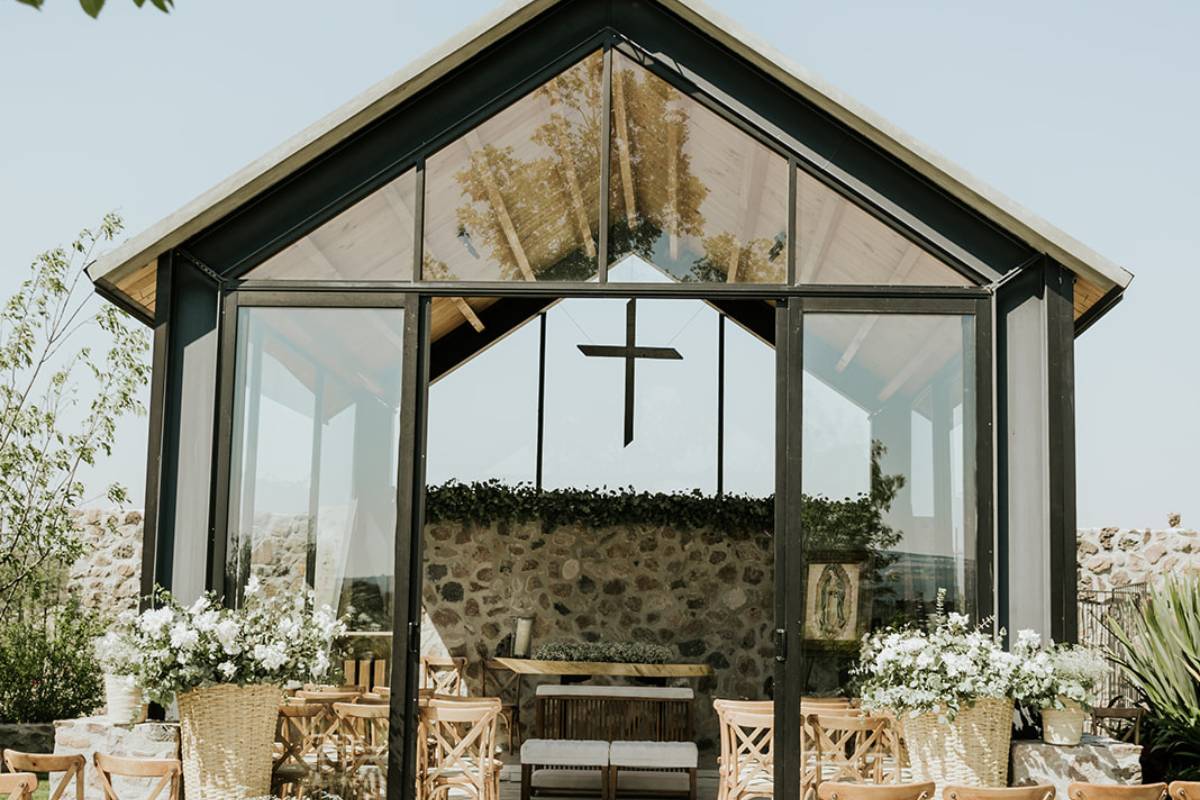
{"points": [[672, 755], [565, 752], [631, 692], [589, 779]]}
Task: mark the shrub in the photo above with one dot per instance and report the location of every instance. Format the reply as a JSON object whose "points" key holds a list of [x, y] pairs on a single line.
{"points": [[1160, 652], [607, 652], [48, 668]]}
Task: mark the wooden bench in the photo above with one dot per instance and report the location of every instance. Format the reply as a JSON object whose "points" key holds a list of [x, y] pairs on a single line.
{"points": [[648, 733]]}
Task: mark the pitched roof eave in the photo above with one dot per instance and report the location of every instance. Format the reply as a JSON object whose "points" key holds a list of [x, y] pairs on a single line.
{"points": [[384, 96]]}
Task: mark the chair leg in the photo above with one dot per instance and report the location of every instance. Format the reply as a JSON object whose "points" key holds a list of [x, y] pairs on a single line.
{"points": [[608, 782], [692, 792], [526, 780]]}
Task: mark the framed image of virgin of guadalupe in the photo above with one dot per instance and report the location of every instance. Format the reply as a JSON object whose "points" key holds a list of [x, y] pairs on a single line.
{"points": [[834, 612]]}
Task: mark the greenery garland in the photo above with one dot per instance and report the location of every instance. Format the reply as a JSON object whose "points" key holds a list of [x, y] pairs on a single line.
{"points": [[853, 523]]}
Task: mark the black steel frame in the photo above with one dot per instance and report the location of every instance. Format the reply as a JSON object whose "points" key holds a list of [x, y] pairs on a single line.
{"points": [[791, 308]]}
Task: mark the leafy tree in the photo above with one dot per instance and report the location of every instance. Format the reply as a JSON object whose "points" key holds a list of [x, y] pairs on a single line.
{"points": [[93, 7], [47, 431]]}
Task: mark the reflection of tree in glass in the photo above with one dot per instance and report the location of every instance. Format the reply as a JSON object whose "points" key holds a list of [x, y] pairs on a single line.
{"points": [[537, 216]]}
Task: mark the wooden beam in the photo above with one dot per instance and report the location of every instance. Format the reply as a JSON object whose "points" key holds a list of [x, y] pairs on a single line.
{"points": [[484, 170], [623, 159], [567, 166], [827, 223], [907, 261], [400, 208], [672, 190]]}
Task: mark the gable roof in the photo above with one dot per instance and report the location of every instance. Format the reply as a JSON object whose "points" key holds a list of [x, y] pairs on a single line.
{"points": [[127, 273]]}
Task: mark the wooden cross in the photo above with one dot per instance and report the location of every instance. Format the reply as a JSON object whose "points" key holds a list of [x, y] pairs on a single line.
{"points": [[630, 352]]}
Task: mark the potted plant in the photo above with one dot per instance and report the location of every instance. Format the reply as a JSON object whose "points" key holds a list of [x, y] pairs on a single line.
{"points": [[951, 688], [226, 668], [124, 700], [1057, 679]]}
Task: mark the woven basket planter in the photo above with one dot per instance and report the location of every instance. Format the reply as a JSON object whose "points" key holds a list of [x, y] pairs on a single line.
{"points": [[226, 734], [972, 750]]}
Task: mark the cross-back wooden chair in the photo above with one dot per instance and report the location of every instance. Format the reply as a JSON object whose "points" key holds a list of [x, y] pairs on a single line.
{"points": [[854, 747], [1042, 791], [506, 685], [460, 743], [71, 768], [443, 674], [1184, 790], [18, 785], [297, 740], [363, 733], [1109, 791], [747, 760], [839, 790], [1122, 723], [167, 770], [326, 723]]}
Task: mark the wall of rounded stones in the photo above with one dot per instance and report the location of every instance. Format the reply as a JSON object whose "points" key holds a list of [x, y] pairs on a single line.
{"points": [[1111, 558], [108, 577], [709, 597]]}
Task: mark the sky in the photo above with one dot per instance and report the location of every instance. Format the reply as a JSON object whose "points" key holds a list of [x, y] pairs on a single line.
{"points": [[1083, 112]]}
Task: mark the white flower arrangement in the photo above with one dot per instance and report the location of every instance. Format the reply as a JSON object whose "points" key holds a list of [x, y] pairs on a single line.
{"points": [[1054, 675], [909, 670], [172, 649]]}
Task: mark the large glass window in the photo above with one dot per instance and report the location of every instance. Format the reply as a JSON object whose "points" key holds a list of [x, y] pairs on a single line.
{"points": [[313, 480], [370, 241], [839, 242], [517, 198], [888, 478], [691, 193]]}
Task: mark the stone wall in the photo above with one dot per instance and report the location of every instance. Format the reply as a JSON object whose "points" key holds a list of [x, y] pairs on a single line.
{"points": [[707, 596], [1110, 558], [108, 576]]}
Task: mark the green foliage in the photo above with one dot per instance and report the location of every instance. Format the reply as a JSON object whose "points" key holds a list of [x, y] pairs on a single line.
{"points": [[1160, 653], [48, 669], [853, 524], [93, 7], [605, 652], [47, 431]]}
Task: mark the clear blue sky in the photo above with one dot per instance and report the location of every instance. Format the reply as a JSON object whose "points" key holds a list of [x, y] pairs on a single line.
{"points": [[1085, 112]]}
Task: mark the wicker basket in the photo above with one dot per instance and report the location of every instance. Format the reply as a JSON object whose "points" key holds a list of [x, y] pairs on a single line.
{"points": [[226, 733], [970, 751]]}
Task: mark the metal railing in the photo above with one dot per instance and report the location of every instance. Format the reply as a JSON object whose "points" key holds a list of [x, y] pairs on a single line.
{"points": [[1096, 607]]}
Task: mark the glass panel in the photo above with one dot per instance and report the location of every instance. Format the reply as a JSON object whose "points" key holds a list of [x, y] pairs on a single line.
{"points": [[517, 198], [888, 471], [370, 241], [597, 557], [690, 192], [313, 484], [839, 242], [647, 422]]}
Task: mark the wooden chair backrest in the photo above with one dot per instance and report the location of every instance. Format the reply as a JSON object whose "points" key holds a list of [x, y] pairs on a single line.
{"points": [[747, 743], [1184, 790], [18, 785], [167, 770], [461, 744], [445, 675], [363, 730], [599, 716], [1107, 791], [1123, 723], [365, 672], [855, 747], [71, 768], [838, 790], [297, 731], [1042, 791], [502, 683]]}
